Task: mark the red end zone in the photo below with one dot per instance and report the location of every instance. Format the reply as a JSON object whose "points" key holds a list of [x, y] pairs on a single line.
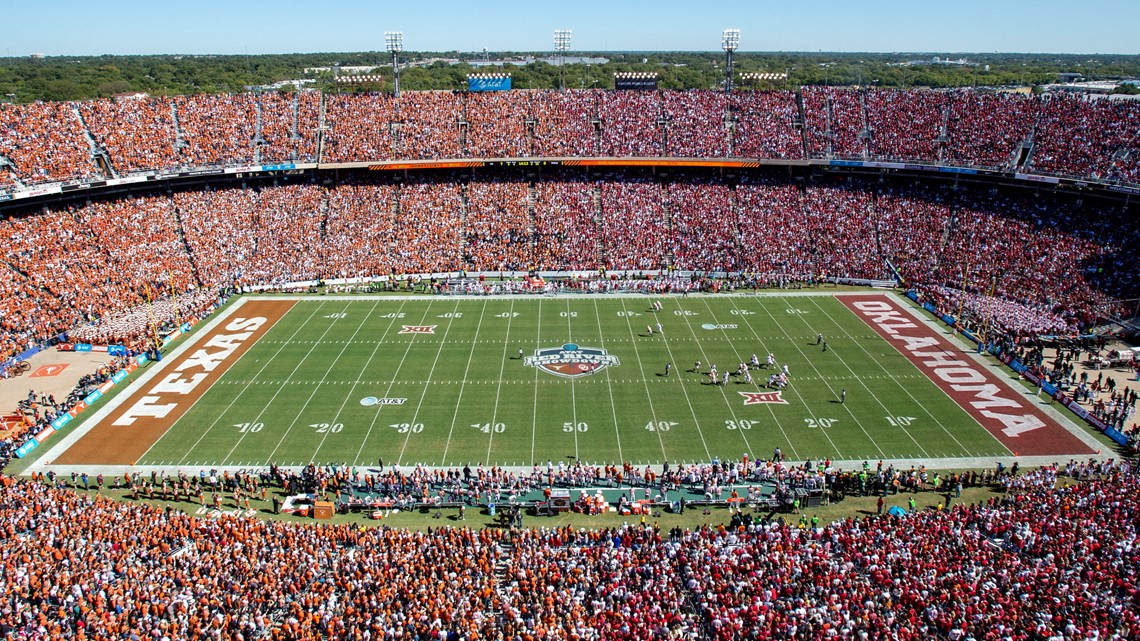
{"points": [[1002, 410]]}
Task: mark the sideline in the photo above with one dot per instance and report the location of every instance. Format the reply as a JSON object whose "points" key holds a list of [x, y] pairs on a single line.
{"points": [[44, 460]]}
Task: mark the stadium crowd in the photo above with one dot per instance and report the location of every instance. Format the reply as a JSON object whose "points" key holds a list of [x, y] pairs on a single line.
{"points": [[1067, 135], [1029, 264], [1052, 558]]}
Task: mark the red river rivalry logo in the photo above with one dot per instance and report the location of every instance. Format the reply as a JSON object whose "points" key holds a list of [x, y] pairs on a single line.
{"points": [[571, 361]]}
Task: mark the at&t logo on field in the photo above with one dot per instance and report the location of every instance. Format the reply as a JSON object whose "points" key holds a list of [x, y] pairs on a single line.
{"points": [[720, 326], [571, 361], [369, 401]]}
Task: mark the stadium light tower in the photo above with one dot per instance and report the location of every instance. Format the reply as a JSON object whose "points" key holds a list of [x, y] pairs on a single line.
{"points": [[561, 45], [394, 42], [729, 41]]}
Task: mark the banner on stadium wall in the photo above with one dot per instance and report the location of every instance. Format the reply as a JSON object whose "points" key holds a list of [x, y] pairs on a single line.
{"points": [[489, 83], [635, 84], [45, 434], [118, 376], [28, 446], [61, 420]]}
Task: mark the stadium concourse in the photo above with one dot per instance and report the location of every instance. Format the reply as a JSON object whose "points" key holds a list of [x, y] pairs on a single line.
{"points": [[1053, 559]]}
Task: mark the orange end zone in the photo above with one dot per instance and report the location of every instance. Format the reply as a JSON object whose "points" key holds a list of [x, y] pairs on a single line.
{"points": [[123, 436]]}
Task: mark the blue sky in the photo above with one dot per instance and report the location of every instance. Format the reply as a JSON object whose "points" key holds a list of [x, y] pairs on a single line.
{"points": [[70, 27]]}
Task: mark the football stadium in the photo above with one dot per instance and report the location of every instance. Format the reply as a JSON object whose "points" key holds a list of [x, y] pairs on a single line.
{"points": [[571, 363]]}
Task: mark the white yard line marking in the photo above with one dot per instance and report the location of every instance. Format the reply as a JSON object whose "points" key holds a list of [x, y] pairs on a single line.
{"points": [[732, 411], [764, 348], [534, 414], [427, 383], [312, 394], [922, 407], [573, 388], [340, 410], [462, 385], [261, 412], [610, 386], [499, 385], [831, 389], [224, 412], [649, 396], [414, 339]]}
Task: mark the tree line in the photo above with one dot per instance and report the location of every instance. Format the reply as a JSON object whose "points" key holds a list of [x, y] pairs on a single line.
{"points": [[80, 78]]}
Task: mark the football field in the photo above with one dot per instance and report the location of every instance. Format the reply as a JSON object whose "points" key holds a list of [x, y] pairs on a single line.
{"points": [[440, 381]]}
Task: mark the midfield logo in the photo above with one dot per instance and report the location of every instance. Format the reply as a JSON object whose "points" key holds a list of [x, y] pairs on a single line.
{"points": [[571, 361], [755, 398], [419, 329]]}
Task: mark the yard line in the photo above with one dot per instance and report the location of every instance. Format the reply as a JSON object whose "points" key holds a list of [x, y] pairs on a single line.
{"points": [[764, 347], [458, 401], [609, 382], [534, 415], [368, 362], [667, 337], [906, 391], [499, 386], [261, 412], [317, 388], [829, 387], [427, 384], [223, 413], [649, 396], [724, 393], [573, 389], [395, 377]]}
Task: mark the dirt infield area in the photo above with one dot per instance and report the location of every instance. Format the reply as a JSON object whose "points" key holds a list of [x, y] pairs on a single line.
{"points": [[136, 424], [1006, 414]]}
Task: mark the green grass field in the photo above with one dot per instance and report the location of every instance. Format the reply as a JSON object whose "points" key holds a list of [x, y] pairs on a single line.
{"points": [[296, 396]]}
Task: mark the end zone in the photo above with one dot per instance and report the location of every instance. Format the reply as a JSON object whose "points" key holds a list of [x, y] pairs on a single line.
{"points": [[1004, 412], [122, 433]]}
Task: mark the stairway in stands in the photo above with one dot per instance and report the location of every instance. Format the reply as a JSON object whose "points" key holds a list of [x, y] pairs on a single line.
{"points": [[99, 155], [503, 580]]}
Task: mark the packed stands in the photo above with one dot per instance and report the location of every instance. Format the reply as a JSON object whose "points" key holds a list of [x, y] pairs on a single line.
{"points": [[835, 123], [633, 229], [138, 133], [985, 129], [565, 224], [1095, 138], [1063, 256], [497, 226], [766, 125], [996, 569], [497, 125], [358, 213], [630, 124], [44, 142], [289, 126], [1061, 134], [429, 125], [359, 126], [216, 129], [695, 124], [906, 125], [564, 122]]}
